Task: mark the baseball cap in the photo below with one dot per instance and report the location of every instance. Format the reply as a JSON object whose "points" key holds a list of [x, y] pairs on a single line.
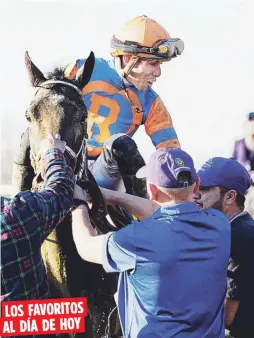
{"points": [[225, 172], [165, 165]]}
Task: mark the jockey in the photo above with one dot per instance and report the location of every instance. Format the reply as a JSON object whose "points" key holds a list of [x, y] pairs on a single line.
{"points": [[119, 98]]}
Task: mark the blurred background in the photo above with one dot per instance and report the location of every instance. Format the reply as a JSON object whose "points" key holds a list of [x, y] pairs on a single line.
{"points": [[208, 90]]}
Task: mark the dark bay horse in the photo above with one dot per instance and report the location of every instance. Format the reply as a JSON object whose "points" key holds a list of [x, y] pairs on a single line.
{"points": [[58, 107]]}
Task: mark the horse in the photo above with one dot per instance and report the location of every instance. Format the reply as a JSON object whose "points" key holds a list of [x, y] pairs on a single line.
{"points": [[58, 107]]}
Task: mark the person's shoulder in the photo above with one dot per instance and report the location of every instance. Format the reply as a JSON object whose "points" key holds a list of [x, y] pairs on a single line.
{"points": [[214, 216], [242, 238], [4, 202], [12, 208], [151, 95], [151, 101], [244, 224], [213, 212], [79, 63], [104, 70], [239, 142], [98, 63], [103, 62], [126, 236]]}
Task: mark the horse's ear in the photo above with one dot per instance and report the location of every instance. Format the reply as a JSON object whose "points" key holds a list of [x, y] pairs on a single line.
{"points": [[87, 71], [35, 75]]}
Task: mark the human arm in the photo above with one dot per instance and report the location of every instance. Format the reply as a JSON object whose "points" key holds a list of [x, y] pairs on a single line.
{"points": [[100, 249], [159, 126], [232, 300], [88, 243], [91, 246], [37, 214], [231, 307], [140, 207]]}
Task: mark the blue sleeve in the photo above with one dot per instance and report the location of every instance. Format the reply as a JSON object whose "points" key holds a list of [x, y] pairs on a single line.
{"points": [[119, 252]]}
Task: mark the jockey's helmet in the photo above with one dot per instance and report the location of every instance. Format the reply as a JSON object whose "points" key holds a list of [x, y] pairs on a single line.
{"points": [[145, 38]]}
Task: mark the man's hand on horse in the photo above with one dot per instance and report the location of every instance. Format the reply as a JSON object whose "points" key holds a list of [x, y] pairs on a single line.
{"points": [[52, 142]]}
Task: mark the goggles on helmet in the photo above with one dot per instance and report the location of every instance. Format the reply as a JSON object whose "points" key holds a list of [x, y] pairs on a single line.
{"points": [[164, 49]]}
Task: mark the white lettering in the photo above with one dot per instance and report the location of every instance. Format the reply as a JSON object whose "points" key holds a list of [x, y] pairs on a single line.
{"points": [[48, 324], [8, 327], [28, 325], [69, 323], [14, 310]]}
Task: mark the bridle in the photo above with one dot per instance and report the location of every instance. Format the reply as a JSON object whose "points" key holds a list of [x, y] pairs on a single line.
{"points": [[82, 150]]}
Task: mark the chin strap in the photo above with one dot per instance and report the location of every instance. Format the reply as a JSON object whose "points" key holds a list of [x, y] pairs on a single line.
{"points": [[124, 72]]}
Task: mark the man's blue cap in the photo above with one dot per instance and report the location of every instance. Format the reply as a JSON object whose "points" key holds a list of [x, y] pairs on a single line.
{"points": [[225, 172], [251, 116], [164, 167]]}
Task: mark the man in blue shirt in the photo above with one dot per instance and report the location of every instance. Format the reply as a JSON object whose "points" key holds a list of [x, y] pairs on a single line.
{"points": [[173, 263], [223, 185]]}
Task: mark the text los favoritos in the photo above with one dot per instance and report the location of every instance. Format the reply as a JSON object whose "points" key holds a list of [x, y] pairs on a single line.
{"points": [[43, 316]]}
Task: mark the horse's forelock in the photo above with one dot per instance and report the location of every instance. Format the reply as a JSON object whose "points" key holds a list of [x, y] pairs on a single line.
{"points": [[56, 95], [59, 74]]}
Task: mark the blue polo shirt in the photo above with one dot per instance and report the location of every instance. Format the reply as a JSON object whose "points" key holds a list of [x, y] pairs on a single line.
{"points": [[173, 273]]}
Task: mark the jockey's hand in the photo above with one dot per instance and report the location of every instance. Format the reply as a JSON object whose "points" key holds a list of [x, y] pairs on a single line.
{"points": [[79, 193], [51, 142]]}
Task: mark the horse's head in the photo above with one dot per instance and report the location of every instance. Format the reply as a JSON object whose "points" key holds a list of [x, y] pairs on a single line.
{"points": [[58, 108]]}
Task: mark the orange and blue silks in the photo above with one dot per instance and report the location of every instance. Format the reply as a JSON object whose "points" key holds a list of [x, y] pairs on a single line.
{"points": [[117, 108]]}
